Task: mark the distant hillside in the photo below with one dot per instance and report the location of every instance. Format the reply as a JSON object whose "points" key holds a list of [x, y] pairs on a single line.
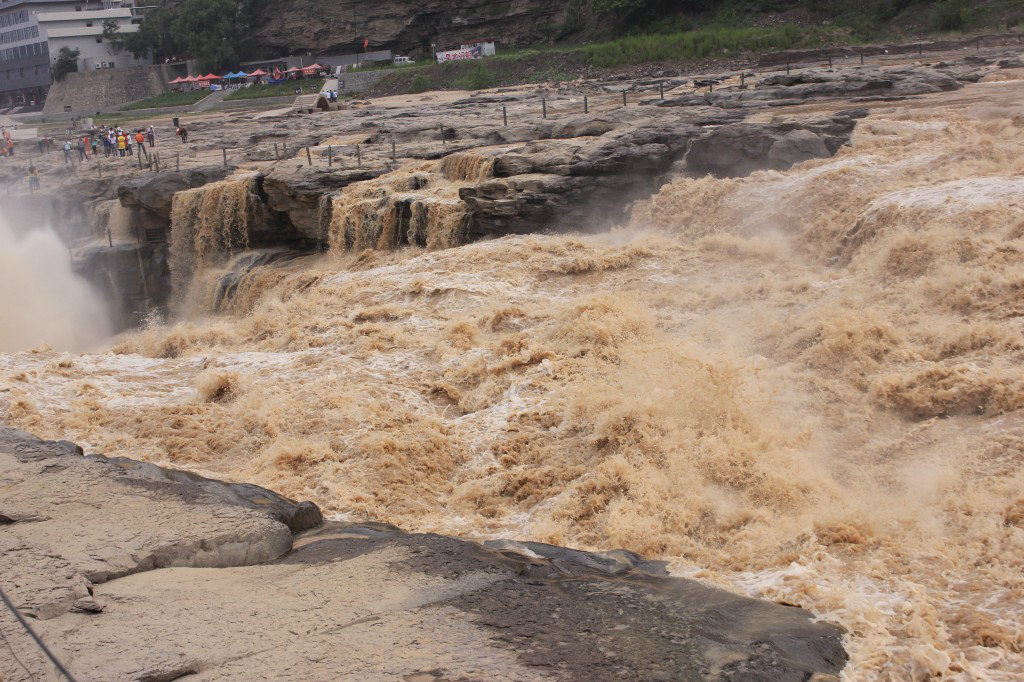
{"points": [[413, 26], [222, 32]]}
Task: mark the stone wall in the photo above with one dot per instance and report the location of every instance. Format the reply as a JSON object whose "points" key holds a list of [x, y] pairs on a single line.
{"points": [[360, 81], [105, 89]]}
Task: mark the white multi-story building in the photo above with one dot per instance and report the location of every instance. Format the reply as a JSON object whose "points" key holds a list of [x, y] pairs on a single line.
{"points": [[32, 32]]}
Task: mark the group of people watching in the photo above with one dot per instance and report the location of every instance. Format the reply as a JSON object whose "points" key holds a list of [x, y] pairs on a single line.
{"points": [[115, 142], [7, 146]]}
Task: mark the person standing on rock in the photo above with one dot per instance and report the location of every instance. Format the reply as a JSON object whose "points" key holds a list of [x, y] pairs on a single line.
{"points": [[120, 145], [67, 151], [128, 142], [151, 136], [95, 146], [140, 140], [33, 179], [183, 133]]}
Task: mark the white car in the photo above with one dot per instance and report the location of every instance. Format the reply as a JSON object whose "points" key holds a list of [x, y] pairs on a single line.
{"points": [[403, 60]]}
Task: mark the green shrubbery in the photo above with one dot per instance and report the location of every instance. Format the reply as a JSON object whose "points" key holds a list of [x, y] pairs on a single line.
{"points": [[419, 84], [66, 62], [480, 78], [950, 15]]}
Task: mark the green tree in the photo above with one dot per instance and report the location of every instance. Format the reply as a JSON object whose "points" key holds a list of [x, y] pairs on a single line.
{"points": [[154, 35], [212, 31], [66, 62], [208, 29], [112, 34]]}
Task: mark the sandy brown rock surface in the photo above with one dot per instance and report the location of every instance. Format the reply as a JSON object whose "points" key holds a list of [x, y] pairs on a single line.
{"points": [[131, 572]]}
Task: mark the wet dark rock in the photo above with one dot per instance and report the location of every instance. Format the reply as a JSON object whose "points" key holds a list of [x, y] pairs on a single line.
{"points": [[607, 616], [741, 149], [154, 193], [297, 194], [134, 278]]}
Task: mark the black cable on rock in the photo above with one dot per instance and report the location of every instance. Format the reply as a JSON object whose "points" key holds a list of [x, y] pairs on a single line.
{"points": [[28, 628]]}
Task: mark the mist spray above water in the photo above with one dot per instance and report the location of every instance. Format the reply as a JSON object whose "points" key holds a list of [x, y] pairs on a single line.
{"points": [[42, 301]]}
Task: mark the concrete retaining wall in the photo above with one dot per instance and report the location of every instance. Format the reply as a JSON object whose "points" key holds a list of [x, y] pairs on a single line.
{"points": [[105, 89], [285, 101], [360, 81]]}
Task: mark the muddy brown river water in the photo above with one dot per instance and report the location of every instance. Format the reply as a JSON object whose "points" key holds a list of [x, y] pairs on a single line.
{"points": [[805, 386]]}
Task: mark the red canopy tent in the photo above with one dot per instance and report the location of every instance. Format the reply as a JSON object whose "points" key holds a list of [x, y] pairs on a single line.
{"points": [[176, 81], [294, 69], [312, 69], [209, 77], [258, 72]]}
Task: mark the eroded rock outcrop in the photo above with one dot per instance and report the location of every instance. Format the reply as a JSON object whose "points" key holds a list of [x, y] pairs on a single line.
{"points": [[852, 83], [741, 149], [399, 26], [590, 185], [74, 522]]}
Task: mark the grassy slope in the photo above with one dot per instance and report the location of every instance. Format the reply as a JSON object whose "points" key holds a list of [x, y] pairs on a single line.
{"points": [[728, 34], [309, 85], [511, 67], [169, 99]]}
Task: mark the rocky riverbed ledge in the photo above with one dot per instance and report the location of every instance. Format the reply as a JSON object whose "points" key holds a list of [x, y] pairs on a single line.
{"points": [[134, 572]]}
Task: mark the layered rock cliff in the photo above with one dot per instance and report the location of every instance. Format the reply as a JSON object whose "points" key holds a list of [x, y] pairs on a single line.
{"points": [[295, 26]]}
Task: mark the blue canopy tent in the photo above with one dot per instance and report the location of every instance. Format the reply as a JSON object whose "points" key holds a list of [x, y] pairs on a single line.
{"points": [[237, 76]]}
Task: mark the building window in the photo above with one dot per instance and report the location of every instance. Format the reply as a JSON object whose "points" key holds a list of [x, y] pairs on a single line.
{"points": [[99, 39], [89, 24]]}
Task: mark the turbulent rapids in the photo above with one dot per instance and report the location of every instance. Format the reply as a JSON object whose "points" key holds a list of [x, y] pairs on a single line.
{"points": [[802, 385]]}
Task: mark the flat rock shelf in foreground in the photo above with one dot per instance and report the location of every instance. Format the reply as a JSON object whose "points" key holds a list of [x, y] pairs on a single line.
{"points": [[133, 572]]}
